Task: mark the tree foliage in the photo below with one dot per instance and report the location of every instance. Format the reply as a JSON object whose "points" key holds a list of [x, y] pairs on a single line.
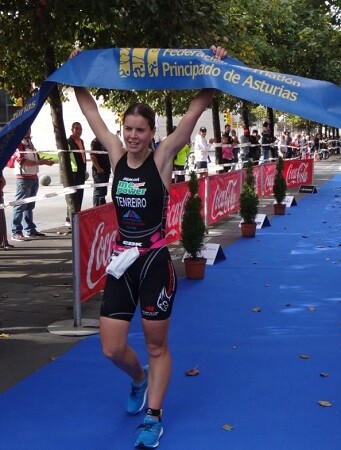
{"points": [[279, 185], [299, 37], [296, 37], [248, 199], [193, 226]]}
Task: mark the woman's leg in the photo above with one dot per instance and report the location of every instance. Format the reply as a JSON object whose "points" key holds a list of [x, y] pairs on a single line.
{"points": [[156, 335], [114, 335]]}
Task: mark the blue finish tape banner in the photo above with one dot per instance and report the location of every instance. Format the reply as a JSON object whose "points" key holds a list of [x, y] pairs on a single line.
{"points": [[177, 69]]}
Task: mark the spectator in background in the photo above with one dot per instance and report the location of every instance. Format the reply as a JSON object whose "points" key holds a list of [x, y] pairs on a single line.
{"points": [[26, 168], [316, 145], [254, 152], [266, 141], [101, 170], [191, 164], [229, 138], [235, 142], [227, 131], [78, 164], [201, 149], [245, 139], [180, 161], [4, 244], [288, 141], [273, 148], [282, 145], [303, 145], [298, 145], [227, 152], [156, 140]]}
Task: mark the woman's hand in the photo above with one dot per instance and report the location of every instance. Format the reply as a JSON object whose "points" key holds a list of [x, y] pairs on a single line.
{"points": [[219, 52], [74, 52]]}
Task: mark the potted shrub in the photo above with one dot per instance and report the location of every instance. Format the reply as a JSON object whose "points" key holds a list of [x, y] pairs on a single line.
{"points": [[193, 231], [279, 188], [248, 203]]}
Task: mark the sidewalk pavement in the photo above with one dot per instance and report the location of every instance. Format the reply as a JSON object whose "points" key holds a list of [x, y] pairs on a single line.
{"points": [[36, 287]]}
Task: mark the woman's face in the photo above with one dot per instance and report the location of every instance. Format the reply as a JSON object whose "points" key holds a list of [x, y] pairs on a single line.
{"points": [[137, 133]]}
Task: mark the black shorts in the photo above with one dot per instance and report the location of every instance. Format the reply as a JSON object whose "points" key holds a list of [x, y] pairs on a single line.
{"points": [[150, 280]]}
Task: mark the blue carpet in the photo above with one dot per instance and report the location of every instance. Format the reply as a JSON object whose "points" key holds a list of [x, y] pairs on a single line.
{"points": [[251, 373]]}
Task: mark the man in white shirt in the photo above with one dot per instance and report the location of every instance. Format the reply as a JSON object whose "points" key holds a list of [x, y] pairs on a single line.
{"points": [[201, 149]]}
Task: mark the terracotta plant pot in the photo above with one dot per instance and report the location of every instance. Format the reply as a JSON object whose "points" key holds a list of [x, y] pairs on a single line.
{"points": [[248, 229], [195, 268], [279, 209]]}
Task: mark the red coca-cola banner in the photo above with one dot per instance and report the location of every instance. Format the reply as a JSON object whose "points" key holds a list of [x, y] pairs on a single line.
{"points": [[258, 174], [97, 231], [178, 196], [299, 171], [269, 171], [223, 196]]}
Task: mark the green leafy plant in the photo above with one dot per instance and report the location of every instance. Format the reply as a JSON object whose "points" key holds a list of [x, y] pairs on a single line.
{"points": [[248, 200], [280, 185], [193, 228]]}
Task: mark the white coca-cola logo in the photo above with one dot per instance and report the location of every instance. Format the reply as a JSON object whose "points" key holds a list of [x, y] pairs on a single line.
{"points": [[100, 252], [297, 175], [224, 200], [269, 180], [256, 174], [174, 216]]}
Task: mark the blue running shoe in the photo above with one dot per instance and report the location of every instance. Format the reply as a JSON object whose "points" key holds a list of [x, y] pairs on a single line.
{"points": [[151, 431], [138, 395]]}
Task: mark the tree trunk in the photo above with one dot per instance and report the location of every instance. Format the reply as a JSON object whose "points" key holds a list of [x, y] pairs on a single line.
{"points": [[42, 22], [216, 128], [169, 113], [270, 112], [65, 171], [56, 107], [245, 114]]}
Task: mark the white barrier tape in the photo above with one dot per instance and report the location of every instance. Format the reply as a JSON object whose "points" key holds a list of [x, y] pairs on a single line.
{"points": [[308, 144], [65, 191], [216, 167], [103, 152], [99, 184]]}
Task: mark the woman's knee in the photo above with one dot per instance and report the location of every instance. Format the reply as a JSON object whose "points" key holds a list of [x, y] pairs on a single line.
{"points": [[156, 350], [156, 335], [114, 336], [113, 351]]}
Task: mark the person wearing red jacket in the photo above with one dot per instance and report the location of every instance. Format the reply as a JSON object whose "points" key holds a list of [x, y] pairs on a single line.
{"points": [[26, 169]]}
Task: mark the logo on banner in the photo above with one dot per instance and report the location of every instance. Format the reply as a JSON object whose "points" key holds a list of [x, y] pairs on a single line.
{"points": [[174, 215], [100, 252], [269, 178], [139, 62], [297, 175], [224, 200]]}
